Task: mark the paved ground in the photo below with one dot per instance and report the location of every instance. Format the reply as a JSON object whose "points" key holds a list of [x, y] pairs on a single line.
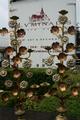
{"points": [[8, 114]]}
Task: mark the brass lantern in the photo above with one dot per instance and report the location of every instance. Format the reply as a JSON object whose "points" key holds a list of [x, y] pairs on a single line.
{"points": [[62, 87], [9, 50], [62, 57], [22, 50], [75, 91], [17, 60], [61, 117], [5, 97], [54, 30], [16, 73]]}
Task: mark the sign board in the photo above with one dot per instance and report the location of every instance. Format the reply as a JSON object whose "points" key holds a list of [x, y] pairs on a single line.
{"points": [[37, 17]]}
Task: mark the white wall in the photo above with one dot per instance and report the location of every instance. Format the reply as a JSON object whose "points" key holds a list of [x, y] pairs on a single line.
{"points": [[4, 13], [78, 12], [4, 17]]}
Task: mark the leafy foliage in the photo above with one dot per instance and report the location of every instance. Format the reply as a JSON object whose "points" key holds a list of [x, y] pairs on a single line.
{"points": [[47, 104]]}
